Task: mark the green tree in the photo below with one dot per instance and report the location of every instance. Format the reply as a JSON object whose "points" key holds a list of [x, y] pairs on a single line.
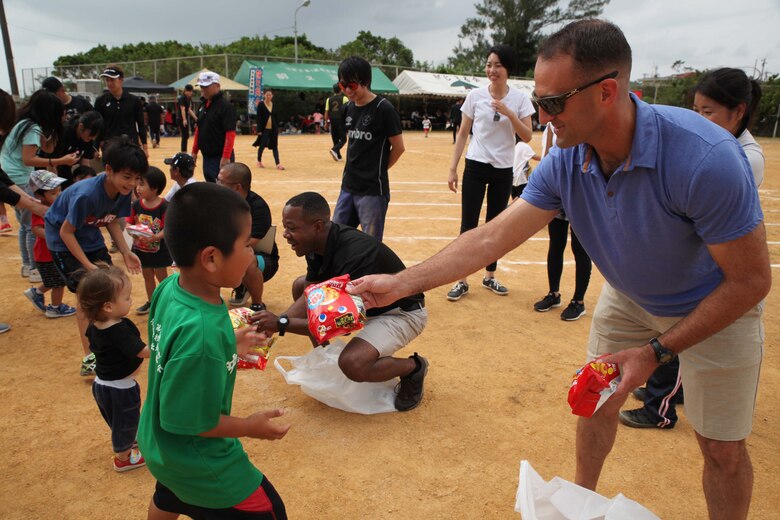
{"points": [[519, 23], [377, 50]]}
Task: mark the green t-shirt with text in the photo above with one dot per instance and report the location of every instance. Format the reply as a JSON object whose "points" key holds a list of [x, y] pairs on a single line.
{"points": [[192, 372]]}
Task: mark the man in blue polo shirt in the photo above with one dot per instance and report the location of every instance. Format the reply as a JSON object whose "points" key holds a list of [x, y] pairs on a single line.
{"points": [[665, 204]]}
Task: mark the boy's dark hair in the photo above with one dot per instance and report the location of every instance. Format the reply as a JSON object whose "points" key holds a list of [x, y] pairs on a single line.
{"points": [[200, 215], [355, 69], [99, 287], [239, 173], [506, 55], [123, 154], [92, 121], [82, 172], [312, 204], [336, 88], [730, 88], [189, 88], [154, 178], [597, 47]]}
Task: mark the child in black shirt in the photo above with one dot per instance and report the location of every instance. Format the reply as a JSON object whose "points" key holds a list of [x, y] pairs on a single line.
{"points": [[104, 297]]}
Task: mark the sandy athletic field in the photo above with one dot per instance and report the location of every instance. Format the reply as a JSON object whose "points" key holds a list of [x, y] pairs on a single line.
{"points": [[495, 392]]}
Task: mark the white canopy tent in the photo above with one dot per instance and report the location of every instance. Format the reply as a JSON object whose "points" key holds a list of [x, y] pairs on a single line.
{"points": [[412, 83]]}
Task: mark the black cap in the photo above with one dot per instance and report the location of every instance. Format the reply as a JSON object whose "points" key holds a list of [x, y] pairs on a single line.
{"points": [[51, 84], [112, 72], [182, 161]]}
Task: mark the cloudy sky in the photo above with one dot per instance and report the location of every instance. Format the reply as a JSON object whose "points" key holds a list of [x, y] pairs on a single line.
{"points": [[702, 33]]}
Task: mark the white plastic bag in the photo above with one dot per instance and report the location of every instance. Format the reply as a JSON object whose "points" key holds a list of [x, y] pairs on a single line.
{"points": [[320, 377], [560, 499]]}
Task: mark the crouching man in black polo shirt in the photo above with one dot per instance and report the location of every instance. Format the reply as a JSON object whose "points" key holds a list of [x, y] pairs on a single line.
{"points": [[238, 177], [334, 250]]}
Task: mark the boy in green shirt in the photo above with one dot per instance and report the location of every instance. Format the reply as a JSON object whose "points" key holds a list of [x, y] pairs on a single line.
{"points": [[188, 437]]}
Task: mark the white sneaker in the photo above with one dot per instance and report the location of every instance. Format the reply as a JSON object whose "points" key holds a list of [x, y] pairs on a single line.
{"points": [[35, 276], [25, 271]]}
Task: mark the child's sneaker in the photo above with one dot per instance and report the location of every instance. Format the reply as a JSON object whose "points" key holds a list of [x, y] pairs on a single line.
{"points": [[135, 460], [25, 271], [36, 298], [143, 309], [5, 227], [60, 311], [35, 276], [88, 365]]}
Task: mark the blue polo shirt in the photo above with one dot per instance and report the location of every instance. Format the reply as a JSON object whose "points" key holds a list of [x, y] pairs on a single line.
{"points": [[87, 206], [685, 184]]}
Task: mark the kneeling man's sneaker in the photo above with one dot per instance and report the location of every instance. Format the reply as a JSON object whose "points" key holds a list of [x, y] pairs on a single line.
{"points": [[409, 391]]}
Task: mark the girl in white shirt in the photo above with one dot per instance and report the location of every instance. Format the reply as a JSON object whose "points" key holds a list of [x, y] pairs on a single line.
{"points": [[495, 114], [728, 98]]}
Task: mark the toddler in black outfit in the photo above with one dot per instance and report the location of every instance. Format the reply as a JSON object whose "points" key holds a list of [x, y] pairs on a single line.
{"points": [[105, 299]]}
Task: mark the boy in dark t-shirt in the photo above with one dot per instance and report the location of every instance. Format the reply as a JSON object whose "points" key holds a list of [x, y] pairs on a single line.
{"points": [[375, 144]]}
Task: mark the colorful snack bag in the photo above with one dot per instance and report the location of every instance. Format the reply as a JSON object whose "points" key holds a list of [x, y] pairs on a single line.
{"points": [[257, 356], [591, 386], [332, 311]]}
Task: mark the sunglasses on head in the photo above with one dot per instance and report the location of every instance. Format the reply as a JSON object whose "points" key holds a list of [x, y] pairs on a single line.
{"points": [[352, 85], [554, 105]]}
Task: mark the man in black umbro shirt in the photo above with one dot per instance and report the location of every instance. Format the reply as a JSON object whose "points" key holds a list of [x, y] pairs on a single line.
{"points": [[334, 250], [375, 144], [123, 113]]}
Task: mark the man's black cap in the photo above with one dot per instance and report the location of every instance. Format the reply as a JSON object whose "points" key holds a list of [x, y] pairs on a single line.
{"points": [[182, 161], [51, 84]]}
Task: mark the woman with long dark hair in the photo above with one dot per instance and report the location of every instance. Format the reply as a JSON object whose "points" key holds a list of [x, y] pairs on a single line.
{"points": [[38, 126], [267, 129], [496, 114], [728, 98]]}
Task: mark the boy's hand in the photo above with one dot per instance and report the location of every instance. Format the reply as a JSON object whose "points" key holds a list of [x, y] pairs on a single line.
{"points": [[259, 425], [132, 262], [247, 338]]}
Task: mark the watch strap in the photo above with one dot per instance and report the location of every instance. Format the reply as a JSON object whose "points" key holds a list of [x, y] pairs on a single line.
{"points": [[662, 354]]}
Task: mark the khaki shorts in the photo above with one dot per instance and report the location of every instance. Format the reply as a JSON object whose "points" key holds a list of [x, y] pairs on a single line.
{"points": [[720, 374], [393, 330]]}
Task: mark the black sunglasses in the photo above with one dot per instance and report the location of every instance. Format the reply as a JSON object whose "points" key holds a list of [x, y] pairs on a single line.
{"points": [[554, 105]]}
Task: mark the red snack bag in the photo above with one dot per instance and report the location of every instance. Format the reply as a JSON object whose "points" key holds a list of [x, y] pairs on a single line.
{"points": [[332, 311], [257, 357], [591, 386]]}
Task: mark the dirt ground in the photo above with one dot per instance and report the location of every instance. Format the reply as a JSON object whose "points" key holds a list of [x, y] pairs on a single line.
{"points": [[495, 393]]}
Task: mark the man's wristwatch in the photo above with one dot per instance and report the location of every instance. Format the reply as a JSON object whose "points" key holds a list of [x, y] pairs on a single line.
{"points": [[281, 323], [662, 354]]}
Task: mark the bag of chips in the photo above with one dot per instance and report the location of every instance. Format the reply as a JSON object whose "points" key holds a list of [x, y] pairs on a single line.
{"points": [[332, 311], [139, 231], [257, 357], [591, 386]]}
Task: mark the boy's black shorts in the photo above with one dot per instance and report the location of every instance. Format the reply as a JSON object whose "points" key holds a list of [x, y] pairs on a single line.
{"points": [[165, 499], [71, 269]]}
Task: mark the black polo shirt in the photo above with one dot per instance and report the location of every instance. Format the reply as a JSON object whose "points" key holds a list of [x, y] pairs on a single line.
{"points": [[261, 218], [123, 116], [352, 252], [215, 118], [186, 102]]}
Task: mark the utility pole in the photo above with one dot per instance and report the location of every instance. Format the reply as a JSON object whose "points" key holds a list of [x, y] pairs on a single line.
{"points": [[9, 57]]}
